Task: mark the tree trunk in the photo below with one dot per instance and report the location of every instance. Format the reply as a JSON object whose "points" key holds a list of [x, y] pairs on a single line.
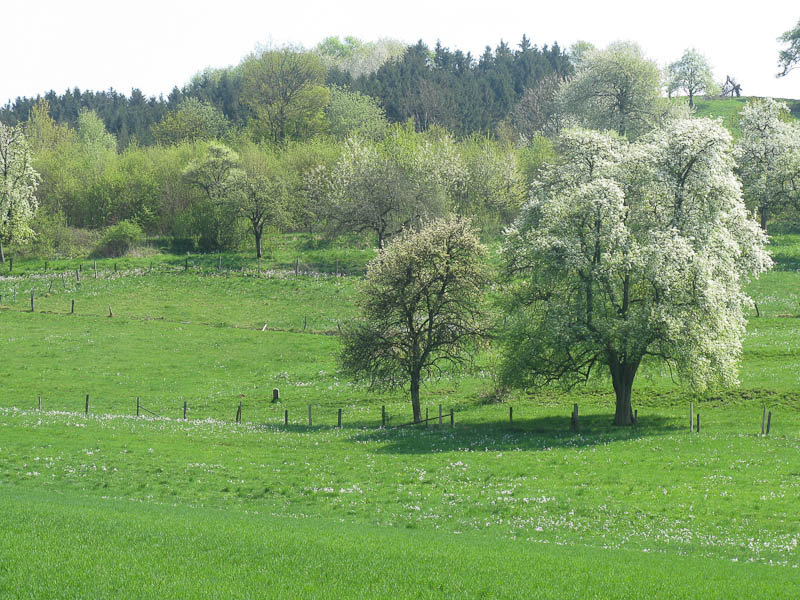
{"points": [[622, 377], [763, 214], [415, 379], [2, 256], [257, 234]]}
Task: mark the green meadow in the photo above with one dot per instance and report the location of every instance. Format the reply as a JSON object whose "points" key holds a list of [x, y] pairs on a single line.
{"points": [[114, 505]]}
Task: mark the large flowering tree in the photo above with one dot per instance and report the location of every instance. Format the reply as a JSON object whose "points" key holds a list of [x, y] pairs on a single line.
{"points": [[18, 182], [629, 252]]}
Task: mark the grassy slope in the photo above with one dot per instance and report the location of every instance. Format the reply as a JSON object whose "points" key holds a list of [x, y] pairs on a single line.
{"points": [[378, 513], [727, 109]]}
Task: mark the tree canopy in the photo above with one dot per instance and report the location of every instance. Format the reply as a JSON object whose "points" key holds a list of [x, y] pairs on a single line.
{"points": [[617, 88], [421, 308], [629, 252], [789, 57], [691, 73], [18, 183], [768, 158]]}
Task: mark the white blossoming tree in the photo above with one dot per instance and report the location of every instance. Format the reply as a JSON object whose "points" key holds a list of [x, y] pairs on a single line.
{"points": [[691, 73], [18, 183], [616, 88], [768, 157], [632, 252]]}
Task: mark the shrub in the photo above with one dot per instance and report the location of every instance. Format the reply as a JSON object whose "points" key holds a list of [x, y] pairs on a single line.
{"points": [[119, 239]]}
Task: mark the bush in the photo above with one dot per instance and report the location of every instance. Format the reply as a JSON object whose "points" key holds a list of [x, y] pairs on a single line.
{"points": [[119, 239], [54, 238]]}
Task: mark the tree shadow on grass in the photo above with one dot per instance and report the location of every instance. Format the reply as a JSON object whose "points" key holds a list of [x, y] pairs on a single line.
{"points": [[541, 433]]}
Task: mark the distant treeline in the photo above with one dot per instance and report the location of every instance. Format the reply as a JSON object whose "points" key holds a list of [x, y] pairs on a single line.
{"points": [[447, 87]]}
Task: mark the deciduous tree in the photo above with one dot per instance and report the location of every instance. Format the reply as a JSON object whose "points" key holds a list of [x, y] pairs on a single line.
{"points": [[285, 90], [691, 73], [632, 252], [616, 88], [18, 182], [768, 157], [263, 196], [789, 57], [192, 121], [387, 186], [420, 308]]}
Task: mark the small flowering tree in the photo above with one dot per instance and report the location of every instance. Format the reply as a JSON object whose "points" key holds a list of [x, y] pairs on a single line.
{"points": [[629, 252], [18, 183], [691, 73], [420, 308]]}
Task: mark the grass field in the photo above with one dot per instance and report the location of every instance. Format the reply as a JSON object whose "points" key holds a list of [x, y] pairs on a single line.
{"points": [[111, 505]]}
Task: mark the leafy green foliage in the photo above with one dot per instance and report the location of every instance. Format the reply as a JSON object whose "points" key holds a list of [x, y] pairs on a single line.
{"points": [[789, 57], [420, 308], [119, 239], [352, 113], [285, 91], [192, 121]]}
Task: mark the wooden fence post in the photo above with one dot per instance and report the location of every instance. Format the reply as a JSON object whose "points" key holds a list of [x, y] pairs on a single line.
{"points": [[339, 420], [511, 415], [10, 264], [77, 276], [769, 421], [452, 419], [440, 415], [87, 405], [72, 310], [383, 416], [426, 417], [184, 410], [137, 406], [95, 269], [574, 419], [635, 417], [276, 393], [286, 417], [309, 415], [32, 303], [40, 402], [698, 422], [763, 419], [691, 415]]}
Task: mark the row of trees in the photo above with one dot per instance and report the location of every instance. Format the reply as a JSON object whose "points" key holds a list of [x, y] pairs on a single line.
{"points": [[277, 94], [207, 192], [367, 175]]}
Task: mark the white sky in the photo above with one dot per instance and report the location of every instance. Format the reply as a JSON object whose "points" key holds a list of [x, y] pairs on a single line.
{"points": [[154, 45]]}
